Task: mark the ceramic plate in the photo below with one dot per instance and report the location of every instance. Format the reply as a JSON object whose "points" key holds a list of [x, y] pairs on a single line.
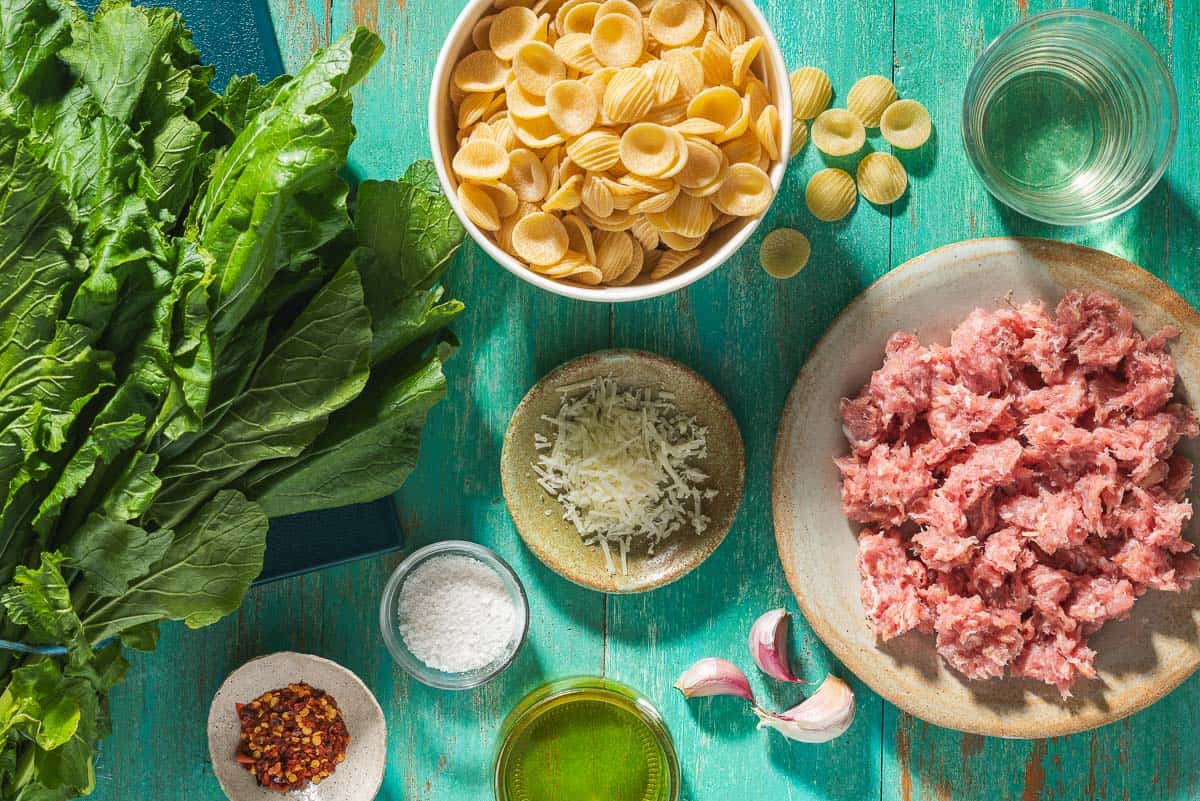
{"points": [[1140, 659], [356, 779], [538, 516]]}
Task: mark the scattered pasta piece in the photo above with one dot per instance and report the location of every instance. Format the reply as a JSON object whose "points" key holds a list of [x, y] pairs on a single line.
{"points": [[602, 141], [784, 252], [837, 132], [830, 194], [881, 178], [906, 124], [811, 91], [799, 135], [869, 97]]}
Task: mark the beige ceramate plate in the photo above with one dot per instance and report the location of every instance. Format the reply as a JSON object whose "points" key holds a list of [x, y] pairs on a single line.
{"points": [[538, 516], [1139, 659], [356, 779]]}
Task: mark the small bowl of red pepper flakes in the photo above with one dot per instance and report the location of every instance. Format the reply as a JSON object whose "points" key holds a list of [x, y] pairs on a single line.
{"points": [[292, 736], [296, 726]]}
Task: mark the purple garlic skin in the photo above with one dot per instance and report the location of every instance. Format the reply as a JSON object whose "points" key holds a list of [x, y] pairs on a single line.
{"points": [[769, 645], [821, 717], [713, 676]]}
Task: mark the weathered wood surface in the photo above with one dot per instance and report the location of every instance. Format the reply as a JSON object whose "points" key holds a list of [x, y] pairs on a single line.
{"points": [[749, 335]]}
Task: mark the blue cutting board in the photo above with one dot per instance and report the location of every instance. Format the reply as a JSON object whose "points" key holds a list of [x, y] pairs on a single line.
{"points": [[237, 38]]}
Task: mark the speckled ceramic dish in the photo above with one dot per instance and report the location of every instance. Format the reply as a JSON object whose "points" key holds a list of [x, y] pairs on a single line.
{"points": [[1140, 659], [538, 516], [356, 779]]}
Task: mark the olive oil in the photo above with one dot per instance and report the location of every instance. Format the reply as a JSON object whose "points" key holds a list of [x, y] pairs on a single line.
{"points": [[586, 740]]}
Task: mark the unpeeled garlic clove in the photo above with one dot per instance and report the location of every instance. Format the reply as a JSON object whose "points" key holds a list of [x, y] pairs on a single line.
{"points": [[713, 676], [769, 645], [822, 716]]}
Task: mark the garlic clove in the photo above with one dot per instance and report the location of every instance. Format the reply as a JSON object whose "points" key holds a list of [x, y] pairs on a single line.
{"points": [[769, 645], [822, 716], [714, 676]]}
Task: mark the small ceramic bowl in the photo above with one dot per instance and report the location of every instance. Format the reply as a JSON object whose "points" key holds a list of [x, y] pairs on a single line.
{"points": [[356, 779], [716, 249], [389, 618], [538, 516]]}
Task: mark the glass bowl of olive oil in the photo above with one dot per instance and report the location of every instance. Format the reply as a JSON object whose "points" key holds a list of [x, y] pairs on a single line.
{"points": [[586, 739]]}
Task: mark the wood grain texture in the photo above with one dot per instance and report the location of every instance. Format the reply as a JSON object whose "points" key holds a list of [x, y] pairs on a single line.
{"points": [[749, 336]]}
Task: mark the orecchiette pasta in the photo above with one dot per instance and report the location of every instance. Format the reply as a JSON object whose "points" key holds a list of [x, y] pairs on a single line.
{"points": [[745, 192], [811, 91], [799, 135], [572, 107], [617, 40], [837, 132], [767, 130], [481, 71], [905, 124], [650, 149], [601, 141], [881, 178], [869, 97], [676, 22], [511, 28], [784, 252], [830, 194], [478, 206], [536, 66], [540, 238], [480, 160]]}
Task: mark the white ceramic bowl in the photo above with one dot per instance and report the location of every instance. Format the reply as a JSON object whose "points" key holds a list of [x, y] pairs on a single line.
{"points": [[356, 779], [716, 250]]}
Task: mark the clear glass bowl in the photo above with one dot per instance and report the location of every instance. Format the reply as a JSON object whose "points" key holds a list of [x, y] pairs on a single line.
{"points": [[389, 618], [538, 722], [1070, 117]]}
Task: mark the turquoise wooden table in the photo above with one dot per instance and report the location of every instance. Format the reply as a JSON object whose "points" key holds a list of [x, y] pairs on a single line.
{"points": [[748, 334]]}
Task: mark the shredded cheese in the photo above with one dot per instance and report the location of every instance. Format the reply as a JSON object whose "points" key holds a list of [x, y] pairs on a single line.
{"points": [[622, 464]]}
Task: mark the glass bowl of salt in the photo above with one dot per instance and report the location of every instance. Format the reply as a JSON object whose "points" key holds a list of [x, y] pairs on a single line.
{"points": [[454, 615]]}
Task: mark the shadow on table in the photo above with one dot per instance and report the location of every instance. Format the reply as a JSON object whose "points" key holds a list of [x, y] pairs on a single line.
{"points": [[936, 762], [1162, 224]]}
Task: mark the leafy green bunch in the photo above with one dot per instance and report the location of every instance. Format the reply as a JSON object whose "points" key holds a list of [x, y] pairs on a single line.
{"points": [[195, 334]]}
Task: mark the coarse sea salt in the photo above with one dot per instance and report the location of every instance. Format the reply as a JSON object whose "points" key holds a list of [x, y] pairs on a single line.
{"points": [[456, 614]]}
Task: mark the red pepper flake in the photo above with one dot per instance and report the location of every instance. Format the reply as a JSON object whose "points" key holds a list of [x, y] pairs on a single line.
{"points": [[291, 736]]}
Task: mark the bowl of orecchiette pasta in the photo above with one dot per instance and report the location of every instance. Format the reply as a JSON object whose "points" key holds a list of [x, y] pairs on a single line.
{"points": [[610, 150]]}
